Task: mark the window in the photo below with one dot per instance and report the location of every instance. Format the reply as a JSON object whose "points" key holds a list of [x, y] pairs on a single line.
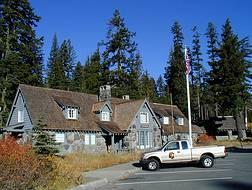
{"points": [[20, 116], [184, 145], [87, 139], [144, 117], [180, 121], [60, 137], [90, 139], [72, 113], [166, 120], [105, 116], [173, 146]]}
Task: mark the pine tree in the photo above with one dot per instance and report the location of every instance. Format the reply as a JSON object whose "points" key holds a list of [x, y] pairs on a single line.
{"points": [[162, 92], [233, 70], [44, 143], [78, 83], [57, 65], [198, 72], [20, 50], [213, 75], [92, 73], [67, 59], [175, 70], [121, 62], [148, 88]]}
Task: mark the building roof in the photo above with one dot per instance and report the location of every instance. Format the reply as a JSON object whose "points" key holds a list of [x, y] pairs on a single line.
{"points": [[166, 110], [227, 123], [168, 129], [111, 127], [125, 111], [46, 104]]}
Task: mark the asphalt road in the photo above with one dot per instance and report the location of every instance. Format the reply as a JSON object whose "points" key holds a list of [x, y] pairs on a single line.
{"points": [[233, 172]]}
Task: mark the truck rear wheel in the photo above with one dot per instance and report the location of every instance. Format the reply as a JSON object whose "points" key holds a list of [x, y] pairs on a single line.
{"points": [[207, 161], [153, 165]]}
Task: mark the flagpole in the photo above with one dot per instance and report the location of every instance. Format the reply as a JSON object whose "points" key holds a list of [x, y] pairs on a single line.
{"points": [[188, 103]]}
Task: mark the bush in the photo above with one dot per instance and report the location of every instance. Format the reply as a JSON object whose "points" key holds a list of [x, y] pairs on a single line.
{"points": [[205, 139], [20, 167]]}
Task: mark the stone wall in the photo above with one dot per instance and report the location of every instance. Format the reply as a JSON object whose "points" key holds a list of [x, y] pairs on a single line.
{"points": [[75, 142]]}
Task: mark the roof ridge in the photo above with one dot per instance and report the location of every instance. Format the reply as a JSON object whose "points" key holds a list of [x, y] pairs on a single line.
{"points": [[128, 101], [54, 89], [164, 104]]}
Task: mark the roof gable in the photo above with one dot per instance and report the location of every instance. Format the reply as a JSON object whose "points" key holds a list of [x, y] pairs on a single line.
{"points": [[41, 104]]}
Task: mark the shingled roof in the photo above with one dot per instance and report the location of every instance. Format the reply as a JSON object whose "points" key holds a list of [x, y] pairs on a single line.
{"points": [[124, 112], [164, 110], [46, 104]]}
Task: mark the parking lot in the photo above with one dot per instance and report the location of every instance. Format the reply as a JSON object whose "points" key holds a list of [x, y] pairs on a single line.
{"points": [[233, 172]]}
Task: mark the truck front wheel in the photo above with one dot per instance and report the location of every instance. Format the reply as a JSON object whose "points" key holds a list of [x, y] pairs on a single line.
{"points": [[153, 165], [207, 161]]}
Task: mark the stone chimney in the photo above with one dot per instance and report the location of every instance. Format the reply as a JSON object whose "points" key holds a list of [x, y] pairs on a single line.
{"points": [[125, 97], [105, 93]]}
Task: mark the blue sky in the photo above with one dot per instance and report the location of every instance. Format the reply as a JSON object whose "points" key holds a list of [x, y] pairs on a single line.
{"points": [[84, 22]]}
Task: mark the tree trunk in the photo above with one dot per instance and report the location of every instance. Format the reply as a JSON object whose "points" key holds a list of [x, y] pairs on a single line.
{"points": [[238, 123]]}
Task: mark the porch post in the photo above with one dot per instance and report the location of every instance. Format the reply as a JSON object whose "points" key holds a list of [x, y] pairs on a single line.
{"points": [[112, 142]]}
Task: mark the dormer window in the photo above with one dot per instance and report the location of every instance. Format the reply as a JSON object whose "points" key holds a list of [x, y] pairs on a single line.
{"points": [[180, 121], [72, 113], [166, 120], [105, 116]]}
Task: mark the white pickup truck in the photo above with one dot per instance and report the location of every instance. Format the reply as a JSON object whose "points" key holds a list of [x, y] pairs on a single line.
{"points": [[181, 151]]}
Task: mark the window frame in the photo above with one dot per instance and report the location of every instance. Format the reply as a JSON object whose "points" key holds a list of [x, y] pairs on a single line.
{"points": [[180, 121], [146, 120], [57, 138], [166, 118], [72, 113], [20, 116], [105, 116]]}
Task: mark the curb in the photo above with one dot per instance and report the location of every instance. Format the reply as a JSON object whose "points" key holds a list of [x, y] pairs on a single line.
{"points": [[101, 182]]}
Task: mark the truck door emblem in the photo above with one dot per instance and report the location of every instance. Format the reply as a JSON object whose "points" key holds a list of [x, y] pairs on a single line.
{"points": [[171, 155]]}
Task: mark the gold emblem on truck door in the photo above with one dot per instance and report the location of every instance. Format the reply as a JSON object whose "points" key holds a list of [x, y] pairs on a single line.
{"points": [[171, 155]]}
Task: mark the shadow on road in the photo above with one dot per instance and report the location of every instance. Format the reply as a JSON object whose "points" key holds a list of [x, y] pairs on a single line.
{"points": [[136, 164], [237, 185], [239, 150]]}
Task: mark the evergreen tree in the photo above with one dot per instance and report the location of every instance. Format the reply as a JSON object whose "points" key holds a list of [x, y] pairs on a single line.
{"points": [[162, 92], [148, 88], [67, 59], [44, 143], [20, 50], [92, 73], [57, 63], [175, 71], [78, 83], [213, 75], [121, 63], [233, 71], [198, 72]]}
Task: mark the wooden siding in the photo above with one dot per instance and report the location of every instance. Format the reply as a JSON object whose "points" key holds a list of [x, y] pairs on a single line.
{"points": [[20, 105]]}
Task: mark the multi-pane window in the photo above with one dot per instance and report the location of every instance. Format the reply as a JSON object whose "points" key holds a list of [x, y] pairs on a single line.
{"points": [[144, 118], [105, 116], [90, 139], [180, 121], [20, 116], [166, 120], [60, 137], [72, 113]]}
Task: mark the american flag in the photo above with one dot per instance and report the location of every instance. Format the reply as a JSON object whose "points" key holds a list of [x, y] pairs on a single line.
{"points": [[187, 61]]}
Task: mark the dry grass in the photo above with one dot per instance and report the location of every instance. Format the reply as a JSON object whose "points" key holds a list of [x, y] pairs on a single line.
{"points": [[68, 171], [233, 143]]}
